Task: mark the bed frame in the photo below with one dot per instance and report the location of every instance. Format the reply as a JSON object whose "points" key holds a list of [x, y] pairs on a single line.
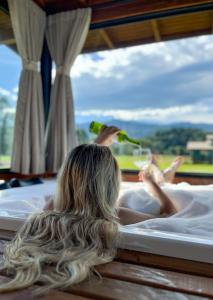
{"points": [[132, 275]]}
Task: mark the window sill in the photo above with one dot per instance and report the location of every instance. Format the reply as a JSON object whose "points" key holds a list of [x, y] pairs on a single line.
{"points": [[191, 178]]}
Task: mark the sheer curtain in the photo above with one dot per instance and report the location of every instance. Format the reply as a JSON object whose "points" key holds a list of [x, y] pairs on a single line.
{"points": [[66, 34], [28, 22]]}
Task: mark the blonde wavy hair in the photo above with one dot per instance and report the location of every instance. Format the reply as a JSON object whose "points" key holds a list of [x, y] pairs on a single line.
{"points": [[59, 248]]}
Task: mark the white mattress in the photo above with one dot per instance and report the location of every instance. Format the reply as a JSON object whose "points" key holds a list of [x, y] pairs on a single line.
{"points": [[195, 205], [16, 204]]}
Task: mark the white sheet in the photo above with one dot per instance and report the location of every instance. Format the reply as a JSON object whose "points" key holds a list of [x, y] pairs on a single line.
{"points": [[195, 217], [139, 199], [196, 210], [20, 202]]}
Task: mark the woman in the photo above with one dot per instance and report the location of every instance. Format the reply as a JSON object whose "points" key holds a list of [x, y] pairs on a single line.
{"points": [[132, 208], [58, 248]]}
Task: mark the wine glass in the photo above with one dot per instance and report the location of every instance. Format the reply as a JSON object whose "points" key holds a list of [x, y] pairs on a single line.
{"points": [[142, 157]]}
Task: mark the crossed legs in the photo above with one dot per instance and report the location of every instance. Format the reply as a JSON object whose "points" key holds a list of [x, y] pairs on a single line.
{"points": [[163, 176]]}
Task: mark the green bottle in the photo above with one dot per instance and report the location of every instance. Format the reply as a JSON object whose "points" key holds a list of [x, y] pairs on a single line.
{"points": [[95, 127]]}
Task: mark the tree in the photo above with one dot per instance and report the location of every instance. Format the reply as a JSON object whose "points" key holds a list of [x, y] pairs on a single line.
{"points": [[4, 103], [3, 135], [173, 141], [82, 135]]}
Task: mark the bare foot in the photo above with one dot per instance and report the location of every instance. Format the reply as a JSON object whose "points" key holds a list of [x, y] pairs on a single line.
{"points": [[169, 173], [157, 174], [156, 171]]}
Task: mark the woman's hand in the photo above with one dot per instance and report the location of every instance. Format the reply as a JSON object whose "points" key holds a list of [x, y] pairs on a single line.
{"points": [[107, 135], [146, 176]]}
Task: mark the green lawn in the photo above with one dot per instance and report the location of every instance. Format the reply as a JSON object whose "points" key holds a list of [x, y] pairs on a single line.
{"points": [[4, 161], [127, 162]]}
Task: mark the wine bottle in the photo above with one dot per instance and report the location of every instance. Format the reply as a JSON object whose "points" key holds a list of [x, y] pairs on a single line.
{"points": [[95, 127]]}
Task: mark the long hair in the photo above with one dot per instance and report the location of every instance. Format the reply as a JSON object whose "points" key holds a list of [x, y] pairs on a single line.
{"points": [[59, 248]]}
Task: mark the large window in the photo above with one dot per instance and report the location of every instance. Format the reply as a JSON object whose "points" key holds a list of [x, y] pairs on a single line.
{"points": [[159, 93], [9, 77]]}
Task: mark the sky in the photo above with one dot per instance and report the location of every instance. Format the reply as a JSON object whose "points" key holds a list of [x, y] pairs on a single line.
{"points": [[162, 82]]}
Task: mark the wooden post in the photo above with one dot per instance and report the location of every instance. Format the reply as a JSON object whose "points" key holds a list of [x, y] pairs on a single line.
{"points": [[106, 38], [46, 76], [156, 30]]}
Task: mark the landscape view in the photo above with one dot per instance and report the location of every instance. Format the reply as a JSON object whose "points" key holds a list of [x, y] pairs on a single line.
{"points": [[159, 93], [165, 141]]}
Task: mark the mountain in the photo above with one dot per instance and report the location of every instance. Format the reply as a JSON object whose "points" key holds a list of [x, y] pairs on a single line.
{"points": [[133, 128], [143, 129]]}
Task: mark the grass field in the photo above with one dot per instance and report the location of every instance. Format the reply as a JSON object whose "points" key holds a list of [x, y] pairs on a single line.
{"points": [[127, 162], [4, 161]]}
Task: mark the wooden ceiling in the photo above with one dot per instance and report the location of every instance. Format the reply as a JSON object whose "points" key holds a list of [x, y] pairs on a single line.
{"points": [[107, 10], [150, 31], [122, 23]]}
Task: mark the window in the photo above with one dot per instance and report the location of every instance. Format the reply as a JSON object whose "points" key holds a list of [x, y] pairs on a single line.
{"points": [[159, 93], [9, 77]]}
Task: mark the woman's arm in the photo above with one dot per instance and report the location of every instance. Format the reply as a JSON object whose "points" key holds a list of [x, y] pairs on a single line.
{"points": [[128, 216]]}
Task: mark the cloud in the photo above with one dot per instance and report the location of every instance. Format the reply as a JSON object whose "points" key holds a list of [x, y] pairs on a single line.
{"points": [[190, 113], [185, 85], [169, 55], [8, 94], [160, 81], [4, 92], [9, 110], [15, 89], [149, 81]]}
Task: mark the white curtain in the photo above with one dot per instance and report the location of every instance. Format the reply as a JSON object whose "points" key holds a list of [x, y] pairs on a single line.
{"points": [[28, 22], [66, 34]]}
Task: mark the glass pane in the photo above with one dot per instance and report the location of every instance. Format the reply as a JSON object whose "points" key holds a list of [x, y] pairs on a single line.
{"points": [[158, 93], [9, 77]]}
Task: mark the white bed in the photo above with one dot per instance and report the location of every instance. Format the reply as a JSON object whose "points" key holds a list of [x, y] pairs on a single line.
{"points": [[195, 216], [188, 234]]}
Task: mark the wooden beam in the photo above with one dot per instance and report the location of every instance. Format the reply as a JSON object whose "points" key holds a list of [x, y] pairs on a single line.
{"points": [[8, 42], [103, 11], [166, 262], [197, 285], [156, 30], [6, 36], [41, 3], [83, 2], [107, 38], [211, 20], [146, 40], [46, 77], [13, 47], [119, 10], [4, 6]]}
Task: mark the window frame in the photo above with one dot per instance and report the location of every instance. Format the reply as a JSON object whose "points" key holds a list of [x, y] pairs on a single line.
{"points": [[46, 66]]}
